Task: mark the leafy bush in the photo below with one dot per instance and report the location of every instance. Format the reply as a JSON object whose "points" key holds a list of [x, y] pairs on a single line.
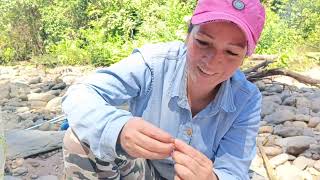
{"points": [[55, 32]]}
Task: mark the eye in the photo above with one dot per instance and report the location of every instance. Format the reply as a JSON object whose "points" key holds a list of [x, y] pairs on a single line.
{"points": [[232, 53], [202, 43]]}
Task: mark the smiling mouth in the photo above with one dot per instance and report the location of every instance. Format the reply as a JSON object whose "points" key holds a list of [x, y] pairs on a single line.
{"points": [[205, 72]]}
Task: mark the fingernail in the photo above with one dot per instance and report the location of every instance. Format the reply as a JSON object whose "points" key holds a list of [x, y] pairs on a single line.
{"points": [[172, 154]]}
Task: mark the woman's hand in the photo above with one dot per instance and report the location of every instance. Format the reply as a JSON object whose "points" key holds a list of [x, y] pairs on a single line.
{"points": [[141, 139], [190, 164]]}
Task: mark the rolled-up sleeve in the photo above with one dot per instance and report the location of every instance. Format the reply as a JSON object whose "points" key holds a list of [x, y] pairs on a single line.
{"points": [[90, 106], [238, 147]]}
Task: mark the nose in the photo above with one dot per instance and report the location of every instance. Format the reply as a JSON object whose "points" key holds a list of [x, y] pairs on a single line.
{"points": [[213, 58]]}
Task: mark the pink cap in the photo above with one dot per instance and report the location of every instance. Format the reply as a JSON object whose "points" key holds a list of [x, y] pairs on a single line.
{"points": [[249, 15]]}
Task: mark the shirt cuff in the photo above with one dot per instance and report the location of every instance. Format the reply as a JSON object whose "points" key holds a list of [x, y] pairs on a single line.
{"points": [[110, 139]]}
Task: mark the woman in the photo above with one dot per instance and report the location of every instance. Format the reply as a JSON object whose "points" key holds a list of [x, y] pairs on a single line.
{"points": [[193, 115]]}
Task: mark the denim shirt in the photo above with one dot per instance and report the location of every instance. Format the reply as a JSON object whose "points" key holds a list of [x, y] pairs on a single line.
{"points": [[153, 81]]}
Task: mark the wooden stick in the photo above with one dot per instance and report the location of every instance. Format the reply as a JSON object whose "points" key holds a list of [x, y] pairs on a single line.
{"points": [[266, 163]]}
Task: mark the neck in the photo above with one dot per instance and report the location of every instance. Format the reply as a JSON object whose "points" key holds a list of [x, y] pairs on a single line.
{"points": [[199, 98]]}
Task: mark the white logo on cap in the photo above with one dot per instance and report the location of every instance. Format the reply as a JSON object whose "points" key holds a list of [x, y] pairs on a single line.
{"points": [[238, 5]]}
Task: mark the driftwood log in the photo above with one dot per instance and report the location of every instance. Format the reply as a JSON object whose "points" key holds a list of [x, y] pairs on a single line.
{"points": [[261, 71]]}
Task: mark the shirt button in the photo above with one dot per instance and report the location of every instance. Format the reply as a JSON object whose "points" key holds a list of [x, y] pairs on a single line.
{"points": [[189, 132]]}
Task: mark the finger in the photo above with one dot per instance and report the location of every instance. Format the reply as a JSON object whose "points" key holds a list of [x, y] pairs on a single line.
{"points": [[143, 153], [156, 133], [191, 152], [154, 145], [186, 161], [176, 177], [183, 172]]}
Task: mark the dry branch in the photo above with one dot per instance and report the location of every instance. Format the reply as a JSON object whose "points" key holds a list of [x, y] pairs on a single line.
{"points": [[270, 171], [255, 68], [260, 71], [271, 72], [255, 57]]}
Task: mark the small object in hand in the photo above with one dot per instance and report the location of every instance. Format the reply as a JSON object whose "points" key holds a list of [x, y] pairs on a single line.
{"points": [[64, 125]]}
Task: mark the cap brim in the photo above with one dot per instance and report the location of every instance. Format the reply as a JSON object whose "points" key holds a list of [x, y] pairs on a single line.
{"points": [[211, 16]]}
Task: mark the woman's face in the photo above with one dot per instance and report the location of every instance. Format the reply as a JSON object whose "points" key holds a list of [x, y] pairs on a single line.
{"points": [[214, 51]]}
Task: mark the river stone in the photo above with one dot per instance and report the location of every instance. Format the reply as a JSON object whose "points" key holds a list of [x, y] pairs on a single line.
{"points": [[302, 117], [279, 159], [315, 156], [302, 162], [316, 165], [304, 110], [287, 131], [28, 116], [289, 101], [303, 102], [289, 172], [37, 90], [48, 177], [47, 86], [265, 129], [69, 79], [37, 104], [11, 178], [60, 85], [54, 104], [280, 116], [22, 109], [274, 98], [35, 80], [268, 107], [295, 145], [24, 143], [54, 92], [4, 89], [315, 114], [261, 85], [10, 120], [262, 123], [291, 157], [288, 108], [276, 88], [315, 105], [16, 102], [45, 126], [272, 150], [19, 89], [20, 171], [314, 121], [300, 124], [315, 148], [26, 124], [45, 97]]}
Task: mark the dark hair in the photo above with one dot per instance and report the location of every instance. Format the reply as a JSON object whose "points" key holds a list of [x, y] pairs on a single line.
{"points": [[190, 27]]}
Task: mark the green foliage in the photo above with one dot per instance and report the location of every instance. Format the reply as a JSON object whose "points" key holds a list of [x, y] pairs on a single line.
{"points": [[20, 30], [101, 32], [292, 29]]}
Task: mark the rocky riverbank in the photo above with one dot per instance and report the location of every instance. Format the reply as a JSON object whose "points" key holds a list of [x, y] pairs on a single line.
{"points": [[289, 129], [31, 96]]}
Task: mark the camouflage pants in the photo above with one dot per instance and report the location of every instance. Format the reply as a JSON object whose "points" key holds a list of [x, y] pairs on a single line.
{"points": [[80, 163]]}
